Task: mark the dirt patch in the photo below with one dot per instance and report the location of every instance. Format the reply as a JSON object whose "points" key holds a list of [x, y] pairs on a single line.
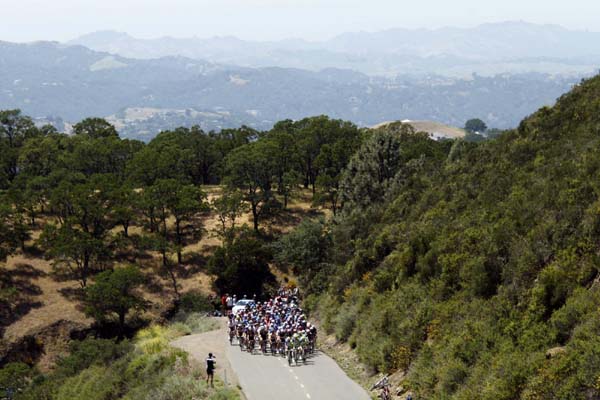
{"points": [[43, 346]]}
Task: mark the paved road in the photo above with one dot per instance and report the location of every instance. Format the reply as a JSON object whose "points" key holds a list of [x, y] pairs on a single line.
{"points": [[270, 377]]}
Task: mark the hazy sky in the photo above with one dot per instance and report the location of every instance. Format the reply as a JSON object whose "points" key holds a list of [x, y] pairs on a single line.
{"points": [[26, 20]]}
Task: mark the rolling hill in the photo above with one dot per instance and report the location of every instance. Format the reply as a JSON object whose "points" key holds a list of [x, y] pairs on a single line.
{"points": [[47, 79], [508, 47], [434, 129]]}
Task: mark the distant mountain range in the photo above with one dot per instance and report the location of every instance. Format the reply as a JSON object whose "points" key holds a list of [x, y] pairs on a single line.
{"points": [[57, 82], [489, 49]]}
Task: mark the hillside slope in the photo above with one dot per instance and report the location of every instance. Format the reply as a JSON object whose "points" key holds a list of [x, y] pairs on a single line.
{"points": [[476, 273], [435, 129]]}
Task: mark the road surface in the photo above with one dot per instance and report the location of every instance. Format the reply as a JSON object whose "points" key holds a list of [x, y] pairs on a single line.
{"points": [[270, 377]]}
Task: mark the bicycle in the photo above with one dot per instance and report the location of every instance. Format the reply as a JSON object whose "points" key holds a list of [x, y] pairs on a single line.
{"points": [[312, 345], [263, 346], [300, 355], [240, 336], [291, 355], [384, 385], [273, 346]]}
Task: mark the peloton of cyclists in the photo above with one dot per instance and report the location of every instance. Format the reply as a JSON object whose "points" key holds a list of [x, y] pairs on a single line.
{"points": [[278, 323]]}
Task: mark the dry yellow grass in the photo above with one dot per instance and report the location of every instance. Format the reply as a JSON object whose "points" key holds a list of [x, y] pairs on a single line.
{"points": [[54, 305], [435, 129], [54, 298]]}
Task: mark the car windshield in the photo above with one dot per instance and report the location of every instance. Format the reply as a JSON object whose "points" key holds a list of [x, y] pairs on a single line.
{"points": [[243, 302]]}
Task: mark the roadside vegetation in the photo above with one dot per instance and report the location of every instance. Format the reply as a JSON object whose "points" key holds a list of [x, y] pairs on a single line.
{"points": [[145, 367], [468, 270]]}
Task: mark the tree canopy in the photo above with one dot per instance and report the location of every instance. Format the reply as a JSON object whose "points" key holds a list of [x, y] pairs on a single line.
{"points": [[242, 266], [475, 125], [113, 293]]}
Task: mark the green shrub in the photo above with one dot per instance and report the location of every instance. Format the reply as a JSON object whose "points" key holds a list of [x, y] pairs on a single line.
{"points": [[187, 386], [91, 352], [185, 324], [180, 329], [345, 321], [242, 266], [195, 301], [94, 383], [15, 376], [145, 372], [154, 339], [580, 305], [451, 375]]}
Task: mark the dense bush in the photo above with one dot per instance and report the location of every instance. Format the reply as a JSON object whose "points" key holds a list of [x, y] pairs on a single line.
{"points": [[242, 266], [473, 266], [306, 249], [188, 323], [83, 354], [14, 377], [195, 301], [94, 383], [187, 383]]}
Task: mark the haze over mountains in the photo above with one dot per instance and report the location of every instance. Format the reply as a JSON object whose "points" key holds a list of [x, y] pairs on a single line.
{"points": [[511, 47], [447, 76]]}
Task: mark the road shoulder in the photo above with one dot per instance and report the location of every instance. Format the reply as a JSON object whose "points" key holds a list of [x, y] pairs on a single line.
{"points": [[199, 345]]}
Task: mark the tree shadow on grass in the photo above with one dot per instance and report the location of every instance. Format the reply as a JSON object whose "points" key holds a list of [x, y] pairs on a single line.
{"points": [[194, 263], [34, 251], [144, 256], [64, 273], [73, 293], [27, 271], [289, 218], [195, 230], [153, 284], [20, 277], [18, 293]]}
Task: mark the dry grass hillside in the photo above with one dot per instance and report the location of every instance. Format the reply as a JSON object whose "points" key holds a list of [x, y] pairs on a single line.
{"points": [[49, 307], [434, 129]]}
